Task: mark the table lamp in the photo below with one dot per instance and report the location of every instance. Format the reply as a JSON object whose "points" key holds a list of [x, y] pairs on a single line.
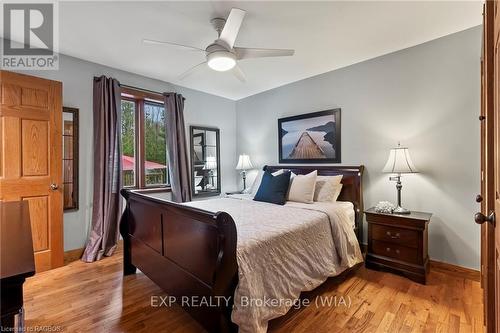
{"points": [[244, 164], [211, 165], [399, 162]]}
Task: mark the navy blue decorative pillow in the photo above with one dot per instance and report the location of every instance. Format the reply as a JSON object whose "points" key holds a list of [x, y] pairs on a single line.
{"points": [[273, 189]]}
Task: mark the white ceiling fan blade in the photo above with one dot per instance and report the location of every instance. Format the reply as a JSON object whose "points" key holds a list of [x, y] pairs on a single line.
{"points": [[159, 42], [245, 53], [239, 73], [232, 26], [190, 71]]}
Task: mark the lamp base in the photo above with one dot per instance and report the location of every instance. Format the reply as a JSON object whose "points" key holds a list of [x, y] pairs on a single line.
{"points": [[401, 210], [244, 174]]}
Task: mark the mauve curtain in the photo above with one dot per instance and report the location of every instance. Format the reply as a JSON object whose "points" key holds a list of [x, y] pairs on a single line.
{"points": [[106, 210], [177, 152]]}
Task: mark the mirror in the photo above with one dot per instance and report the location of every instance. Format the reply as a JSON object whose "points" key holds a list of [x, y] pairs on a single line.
{"points": [[205, 161], [70, 158]]}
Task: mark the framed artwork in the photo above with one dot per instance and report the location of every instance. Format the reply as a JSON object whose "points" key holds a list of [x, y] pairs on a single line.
{"points": [[310, 138]]}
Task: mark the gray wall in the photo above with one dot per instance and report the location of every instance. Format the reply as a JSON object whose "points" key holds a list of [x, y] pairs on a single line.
{"points": [[427, 96], [200, 109]]}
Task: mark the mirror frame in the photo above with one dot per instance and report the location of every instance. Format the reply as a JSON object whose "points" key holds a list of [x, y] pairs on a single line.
{"points": [[76, 145], [217, 139]]}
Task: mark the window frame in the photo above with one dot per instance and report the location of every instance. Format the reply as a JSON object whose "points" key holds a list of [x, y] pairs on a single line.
{"points": [[140, 97]]}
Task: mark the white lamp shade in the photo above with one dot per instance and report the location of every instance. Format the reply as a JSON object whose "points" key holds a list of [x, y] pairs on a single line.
{"points": [[211, 163], [244, 163], [399, 161]]}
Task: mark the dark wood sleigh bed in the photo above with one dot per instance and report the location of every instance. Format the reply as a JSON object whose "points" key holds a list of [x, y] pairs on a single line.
{"points": [[191, 252]]}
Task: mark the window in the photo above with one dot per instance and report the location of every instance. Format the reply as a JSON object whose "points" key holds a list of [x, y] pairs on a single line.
{"points": [[144, 146], [155, 163], [128, 143]]}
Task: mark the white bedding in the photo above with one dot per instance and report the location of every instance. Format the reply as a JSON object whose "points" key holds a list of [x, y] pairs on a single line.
{"points": [[282, 251]]}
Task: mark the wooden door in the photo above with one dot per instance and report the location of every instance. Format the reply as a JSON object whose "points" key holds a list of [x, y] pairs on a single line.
{"points": [[490, 166], [30, 158], [486, 118], [495, 194]]}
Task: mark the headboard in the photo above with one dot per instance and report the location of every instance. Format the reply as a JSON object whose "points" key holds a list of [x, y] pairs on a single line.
{"points": [[352, 189]]}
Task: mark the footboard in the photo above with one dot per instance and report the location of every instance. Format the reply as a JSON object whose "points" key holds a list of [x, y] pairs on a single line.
{"points": [[188, 252]]}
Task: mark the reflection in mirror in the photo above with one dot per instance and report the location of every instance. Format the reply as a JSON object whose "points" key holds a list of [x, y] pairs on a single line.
{"points": [[70, 158], [211, 138], [205, 161]]}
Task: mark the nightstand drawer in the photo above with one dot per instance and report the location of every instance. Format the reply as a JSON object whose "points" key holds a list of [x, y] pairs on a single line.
{"points": [[400, 236], [395, 251]]}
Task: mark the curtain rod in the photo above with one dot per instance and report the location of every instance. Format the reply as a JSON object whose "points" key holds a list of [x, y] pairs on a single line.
{"points": [[146, 90], [140, 89]]}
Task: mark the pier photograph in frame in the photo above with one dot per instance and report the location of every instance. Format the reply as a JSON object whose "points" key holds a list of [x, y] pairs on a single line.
{"points": [[310, 138]]}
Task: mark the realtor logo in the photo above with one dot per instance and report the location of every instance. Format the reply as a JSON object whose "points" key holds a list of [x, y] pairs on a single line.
{"points": [[30, 39]]}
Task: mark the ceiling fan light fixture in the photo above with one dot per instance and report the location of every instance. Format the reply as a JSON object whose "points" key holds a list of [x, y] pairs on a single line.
{"points": [[221, 55], [221, 61]]}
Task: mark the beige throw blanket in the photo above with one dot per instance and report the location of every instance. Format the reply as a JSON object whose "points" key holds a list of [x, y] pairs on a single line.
{"points": [[282, 251]]}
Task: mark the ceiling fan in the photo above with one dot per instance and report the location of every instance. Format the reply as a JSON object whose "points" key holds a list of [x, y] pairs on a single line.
{"points": [[222, 55]]}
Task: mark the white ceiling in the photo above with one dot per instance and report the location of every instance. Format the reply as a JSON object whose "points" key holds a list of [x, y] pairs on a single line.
{"points": [[325, 35]]}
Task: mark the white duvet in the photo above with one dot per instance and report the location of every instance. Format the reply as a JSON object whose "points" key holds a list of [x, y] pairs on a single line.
{"points": [[282, 251]]}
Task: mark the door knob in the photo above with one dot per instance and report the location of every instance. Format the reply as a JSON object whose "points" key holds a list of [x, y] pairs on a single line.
{"points": [[54, 187], [480, 218], [479, 198]]}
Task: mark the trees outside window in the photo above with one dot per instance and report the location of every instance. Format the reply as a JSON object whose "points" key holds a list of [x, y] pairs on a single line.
{"points": [[143, 135]]}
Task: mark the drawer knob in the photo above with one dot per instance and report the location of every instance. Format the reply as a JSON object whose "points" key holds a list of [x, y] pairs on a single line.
{"points": [[388, 249], [396, 236]]}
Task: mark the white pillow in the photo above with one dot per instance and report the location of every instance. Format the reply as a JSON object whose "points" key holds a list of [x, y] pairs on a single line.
{"points": [[280, 171], [256, 183], [337, 192], [336, 179], [327, 188], [302, 187]]}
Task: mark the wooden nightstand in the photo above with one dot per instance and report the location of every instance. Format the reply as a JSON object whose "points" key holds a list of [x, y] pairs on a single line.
{"points": [[398, 243]]}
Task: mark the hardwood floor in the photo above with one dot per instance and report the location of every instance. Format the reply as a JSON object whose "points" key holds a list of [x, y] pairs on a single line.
{"points": [[95, 297]]}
